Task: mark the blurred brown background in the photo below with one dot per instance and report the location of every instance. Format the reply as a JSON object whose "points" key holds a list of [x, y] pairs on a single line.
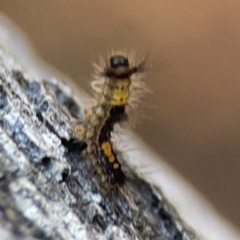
{"points": [[194, 48]]}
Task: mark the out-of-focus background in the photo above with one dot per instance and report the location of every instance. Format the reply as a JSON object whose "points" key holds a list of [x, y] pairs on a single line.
{"points": [[192, 119]]}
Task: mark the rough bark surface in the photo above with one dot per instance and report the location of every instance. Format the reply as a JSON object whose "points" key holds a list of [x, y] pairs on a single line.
{"points": [[47, 188]]}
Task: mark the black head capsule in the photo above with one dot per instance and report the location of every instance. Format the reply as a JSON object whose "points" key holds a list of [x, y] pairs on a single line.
{"points": [[118, 61], [119, 68]]}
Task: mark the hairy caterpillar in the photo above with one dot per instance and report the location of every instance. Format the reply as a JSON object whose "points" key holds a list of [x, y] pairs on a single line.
{"points": [[117, 84]]}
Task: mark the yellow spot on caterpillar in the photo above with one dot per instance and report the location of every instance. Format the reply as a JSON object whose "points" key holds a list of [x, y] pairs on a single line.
{"points": [[108, 151], [121, 92], [115, 165], [107, 148], [111, 158]]}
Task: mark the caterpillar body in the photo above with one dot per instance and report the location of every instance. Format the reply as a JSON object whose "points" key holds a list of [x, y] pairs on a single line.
{"points": [[115, 79]]}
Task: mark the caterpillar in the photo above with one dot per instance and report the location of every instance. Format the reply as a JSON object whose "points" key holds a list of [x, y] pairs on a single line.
{"points": [[117, 82]]}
